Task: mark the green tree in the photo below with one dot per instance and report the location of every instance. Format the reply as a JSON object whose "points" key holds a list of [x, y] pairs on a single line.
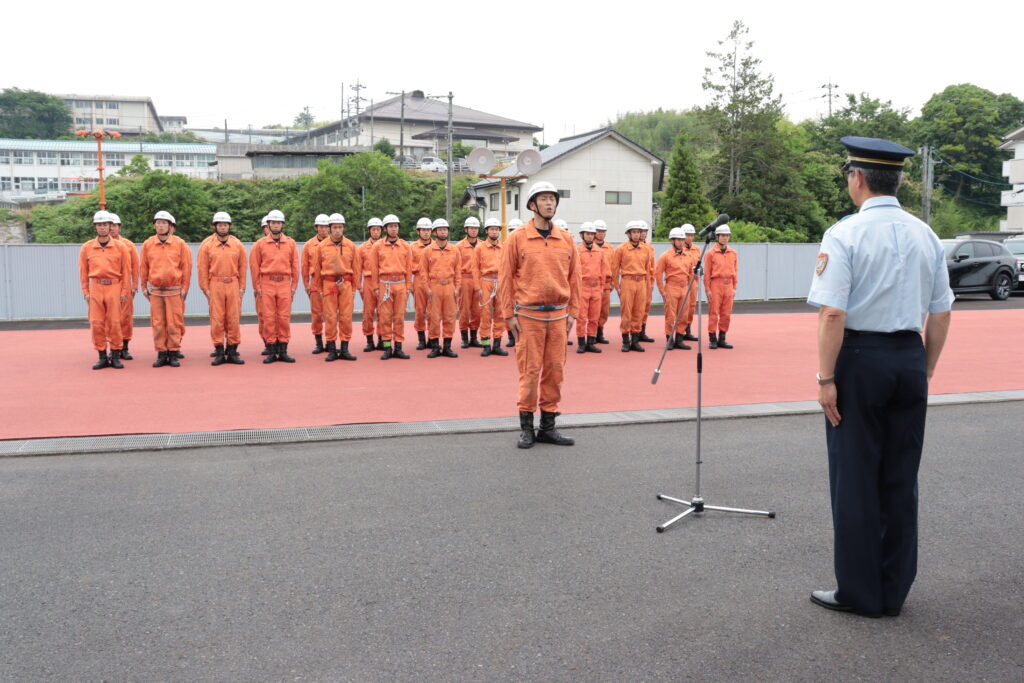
{"points": [[862, 116], [385, 147], [32, 115], [138, 166], [304, 119], [684, 199]]}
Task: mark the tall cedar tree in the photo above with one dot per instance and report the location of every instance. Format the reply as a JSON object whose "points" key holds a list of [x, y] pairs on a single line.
{"points": [[685, 201]]}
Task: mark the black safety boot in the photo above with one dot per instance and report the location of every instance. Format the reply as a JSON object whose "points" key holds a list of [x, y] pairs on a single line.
{"points": [[568, 342], [172, 358], [177, 354], [689, 335], [634, 342], [721, 341], [473, 342], [643, 335], [115, 359], [581, 344], [625, 342], [124, 351], [680, 344], [104, 362], [511, 340], [218, 355], [271, 353], [447, 350], [465, 338], [600, 336], [435, 348], [319, 348], [527, 436], [266, 348], [422, 343], [380, 344], [592, 345], [161, 360], [282, 353], [398, 353], [487, 348], [712, 340], [370, 346], [496, 349], [332, 352], [343, 352], [388, 353], [548, 434], [232, 354]]}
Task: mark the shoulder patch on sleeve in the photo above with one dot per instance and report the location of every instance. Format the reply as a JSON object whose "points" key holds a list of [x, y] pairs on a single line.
{"points": [[821, 264]]}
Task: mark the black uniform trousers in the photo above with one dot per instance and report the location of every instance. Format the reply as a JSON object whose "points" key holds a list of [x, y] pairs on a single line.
{"points": [[873, 458]]}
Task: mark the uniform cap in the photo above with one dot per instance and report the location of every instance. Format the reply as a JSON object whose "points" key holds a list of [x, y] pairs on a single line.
{"points": [[102, 217], [539, 188], [875, 153], [588, 227], [439, 223], [335, 218], [164, 215], [321, 219], [472, 222], [374, 222], [221, 217], [600, 224], [676, 234], [688, 229], [492, 222], [275, 215], [423, 223], [390, 218], [723, 230]]}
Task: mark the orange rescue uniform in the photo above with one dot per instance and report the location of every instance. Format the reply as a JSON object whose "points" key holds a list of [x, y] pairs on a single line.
{"points": [[486, 263], [316, 301], [391, 266], [275, 274], [165, 270], [128, 307], [650, 286], [594, 273], [420, 287], [105, 275], [337, 267], [221, 270], [721, 276], [672, 275], [469, 303], [370, 304], [632, 270], [606, 297], [442, 269], [538, 271]]}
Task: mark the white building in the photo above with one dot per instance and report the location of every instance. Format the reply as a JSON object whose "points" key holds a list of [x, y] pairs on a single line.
{"points": [[40, 170], [126, 115], [417, 126], [1013, 169], [599, 175]]}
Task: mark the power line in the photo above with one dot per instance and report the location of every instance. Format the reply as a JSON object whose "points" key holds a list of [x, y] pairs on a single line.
{"points": [[972, 177], [968, 199]]}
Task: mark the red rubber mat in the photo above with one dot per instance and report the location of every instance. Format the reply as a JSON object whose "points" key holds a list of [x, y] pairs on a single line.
{"points": [[50, 390]]}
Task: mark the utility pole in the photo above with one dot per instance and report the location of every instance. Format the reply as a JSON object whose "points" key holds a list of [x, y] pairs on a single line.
{"points": [[927, 181], [371, 123], [401, 129], [341, 113], [357, 99], [451, 162], [829, 86], [225, 130]]}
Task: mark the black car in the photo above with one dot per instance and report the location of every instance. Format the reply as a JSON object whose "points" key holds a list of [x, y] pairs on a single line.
{"points": [[1016, 247], [980, 266]]}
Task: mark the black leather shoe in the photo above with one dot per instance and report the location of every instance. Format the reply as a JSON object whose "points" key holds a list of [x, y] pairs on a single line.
{"points": [[496, 349], [527, 436], [643, 336], [343, 352], [680, 343], [422, 343], [115, 359], [474, 343], [689, 335], [398, 352], [318, 340], [446, 351], [435, 348], [634, 342], [827, 599], [124, 351], [104, 361], [370, 346], [600, 336], [548, 434], [581, 344]]}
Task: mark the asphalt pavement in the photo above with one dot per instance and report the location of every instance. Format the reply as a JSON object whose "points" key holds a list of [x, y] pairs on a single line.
{"points": [[459, 557]]}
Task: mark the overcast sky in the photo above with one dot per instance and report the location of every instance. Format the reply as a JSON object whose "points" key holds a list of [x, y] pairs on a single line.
{"points": [[569, 67]]}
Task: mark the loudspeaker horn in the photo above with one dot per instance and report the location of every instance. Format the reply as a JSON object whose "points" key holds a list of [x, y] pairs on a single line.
{"points": [[528, 162], [480, 160]]}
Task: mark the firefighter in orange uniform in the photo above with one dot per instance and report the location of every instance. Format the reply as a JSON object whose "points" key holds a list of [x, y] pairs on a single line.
{"points": [[420, 286], [632, 268], [513, 225], [650, 284], [486, 261], [104, 269], [391, 264], [128, 308], [721, 277], [441, 266], [221, 272], [316, 301], [672, 275], [337, 267], [689, 232], [274, 264], [259, 303], [469, 306], [165, 272], [594, 272], [539, 297], [375, 228], [606, 295]]}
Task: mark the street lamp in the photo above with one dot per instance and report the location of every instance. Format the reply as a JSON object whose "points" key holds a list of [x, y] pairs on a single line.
{"points": [[99, 135]]}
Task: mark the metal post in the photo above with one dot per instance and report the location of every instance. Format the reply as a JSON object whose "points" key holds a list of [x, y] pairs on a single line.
{"points": [[9, 282], [504, 222], [451, 161], [927, 181]]}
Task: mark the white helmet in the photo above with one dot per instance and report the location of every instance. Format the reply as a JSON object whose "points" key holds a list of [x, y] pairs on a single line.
{"points": [[643, 226], [423, 223], [221, 217], [723, 230], [275, 215], [538, 188], [321, 219], [635, 225], [561, 224], [472, 222], [263, 222], [600, 225], [390, 218], [101, 217], [334, 218], [115, 219], [676, 233], [492, 222], [374, 222], [514, 223], [163, 215], [439, 223], [688, 229], [588, 227]]}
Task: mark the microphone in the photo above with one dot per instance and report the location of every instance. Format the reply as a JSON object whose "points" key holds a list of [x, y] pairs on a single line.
{"points": [[722, 218]]}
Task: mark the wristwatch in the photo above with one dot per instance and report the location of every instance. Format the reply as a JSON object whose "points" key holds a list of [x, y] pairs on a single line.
{"points": [[824, 380]]}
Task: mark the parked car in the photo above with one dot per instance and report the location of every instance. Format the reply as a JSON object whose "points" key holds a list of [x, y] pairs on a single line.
{"points": [[980, 266], [460, 165], [1015, 246], [406, 162], [432, 164]]}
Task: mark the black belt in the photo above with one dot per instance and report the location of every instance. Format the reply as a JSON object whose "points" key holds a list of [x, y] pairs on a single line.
{"points": [[869, 333]]}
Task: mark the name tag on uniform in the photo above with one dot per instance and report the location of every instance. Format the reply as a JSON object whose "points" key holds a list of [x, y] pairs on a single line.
{"points": [[822, 262]]}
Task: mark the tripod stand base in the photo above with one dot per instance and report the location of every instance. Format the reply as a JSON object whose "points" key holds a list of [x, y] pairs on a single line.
{"points": [[697, 505]]}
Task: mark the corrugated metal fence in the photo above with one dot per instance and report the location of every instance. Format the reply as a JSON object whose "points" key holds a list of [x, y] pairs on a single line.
{"points": [[40, 281]]}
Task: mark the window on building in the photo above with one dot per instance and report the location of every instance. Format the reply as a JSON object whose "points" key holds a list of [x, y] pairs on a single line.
{"points": [[47, 185], [508, 196], [205, 159], [71, 185], [494, 201], [515, 198], [113, 122], [618, 197], [70, 159], [69, 103], [163, 160], [25, 184], [23, 158], [83, 121], [564, 194], [83, 104], [5, 156], [114, 159], [99, 105], [185, 160], [6, 185], [46, 158], [113, 105], [89, 160]]}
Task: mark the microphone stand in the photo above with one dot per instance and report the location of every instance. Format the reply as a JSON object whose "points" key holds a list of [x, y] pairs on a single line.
{"points": [[696, 504]]}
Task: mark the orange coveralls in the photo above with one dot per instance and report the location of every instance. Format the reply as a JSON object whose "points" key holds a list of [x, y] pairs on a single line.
{"points": [[672, 275], [420, 287], [486, 262], [275, 274], [221, 270], [594, 273], [337, 267], [370, 304], [128, 307], [391, 272], [606, 296], [632, 270], [469, 302], [166, 270], [105, 275], [442, 268], [650, 287], [539, 272], [316, 301], [721, 276]]}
